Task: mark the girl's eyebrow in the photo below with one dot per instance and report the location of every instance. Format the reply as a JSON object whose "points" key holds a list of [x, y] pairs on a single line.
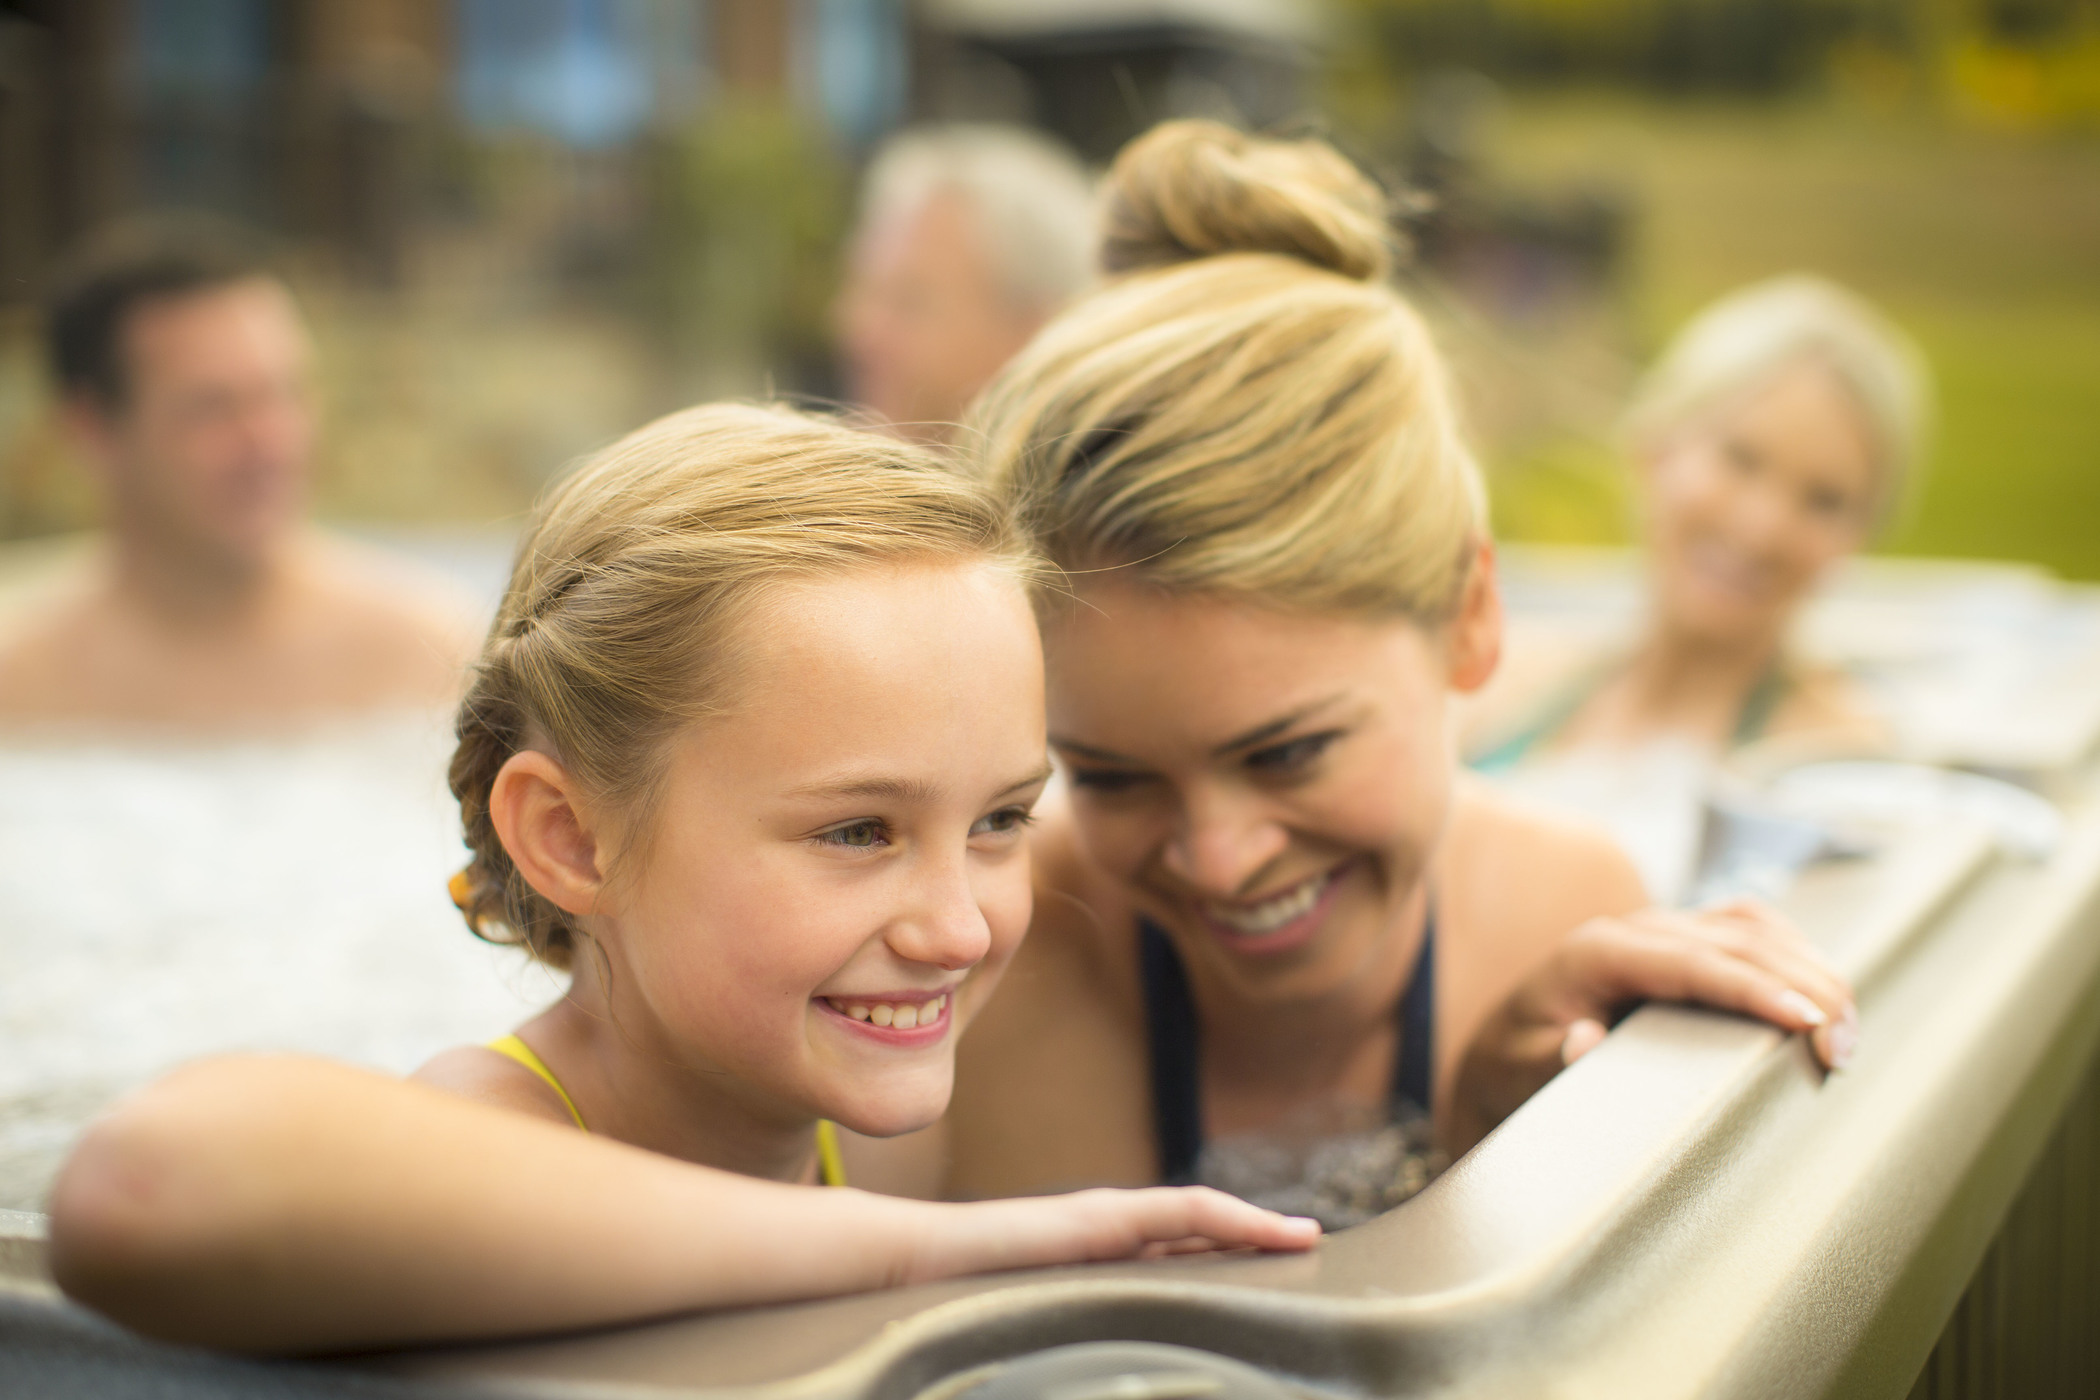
{"points": [[903, 790]]}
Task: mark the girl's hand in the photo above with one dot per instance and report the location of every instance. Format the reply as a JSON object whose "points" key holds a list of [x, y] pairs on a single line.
{"points": [[1739, 956], [1098, 1225]]}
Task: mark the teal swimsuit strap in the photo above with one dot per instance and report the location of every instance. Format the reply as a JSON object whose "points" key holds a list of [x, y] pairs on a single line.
{"points": [[1760, 705], [1513, 750], [1751, 721]]}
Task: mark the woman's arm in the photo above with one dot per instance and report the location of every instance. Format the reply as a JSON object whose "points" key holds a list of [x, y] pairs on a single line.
{"points": [[289, 1205]]}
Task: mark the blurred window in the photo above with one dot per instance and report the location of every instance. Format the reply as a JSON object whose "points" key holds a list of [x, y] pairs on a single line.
{"points": [[589, 73]]}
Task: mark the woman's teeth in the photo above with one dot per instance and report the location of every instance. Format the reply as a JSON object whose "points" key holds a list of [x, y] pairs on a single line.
{"points": [[1270, 914], [897, 1015]]}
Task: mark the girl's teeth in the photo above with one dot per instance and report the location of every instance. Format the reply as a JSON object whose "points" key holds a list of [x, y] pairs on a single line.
{"points": [[899, 1016]]}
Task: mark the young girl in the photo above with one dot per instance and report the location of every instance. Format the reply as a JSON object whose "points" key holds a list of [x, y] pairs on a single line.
{"points": [[751, 752]]}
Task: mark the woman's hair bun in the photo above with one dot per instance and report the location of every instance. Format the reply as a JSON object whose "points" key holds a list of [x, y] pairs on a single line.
{"points": [[1192, 189]]}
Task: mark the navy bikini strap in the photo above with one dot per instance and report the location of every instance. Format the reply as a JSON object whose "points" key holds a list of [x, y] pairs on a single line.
{"points": [[1412, 1076], [1170, 1028], [1171, 1035]]}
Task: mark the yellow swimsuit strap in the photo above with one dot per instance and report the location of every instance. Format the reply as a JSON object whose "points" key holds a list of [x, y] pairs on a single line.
{"points": [[518, 1050], [831, 1166]]}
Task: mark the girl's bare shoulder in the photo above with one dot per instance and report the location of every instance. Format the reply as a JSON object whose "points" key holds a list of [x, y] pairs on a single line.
{"points": [[1518, 877], [483, 1075]]}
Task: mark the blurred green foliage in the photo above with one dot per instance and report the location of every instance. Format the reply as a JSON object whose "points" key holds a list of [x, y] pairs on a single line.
{"points": [[747, 208], [1944, 161]]}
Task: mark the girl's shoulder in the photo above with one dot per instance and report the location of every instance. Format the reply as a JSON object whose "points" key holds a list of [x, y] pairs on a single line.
{"points": [[1570, 872], [485, 1075]]}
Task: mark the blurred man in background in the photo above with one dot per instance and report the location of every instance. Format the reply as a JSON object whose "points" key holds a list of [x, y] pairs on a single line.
{"points": [[970, 238], [182, 366]]}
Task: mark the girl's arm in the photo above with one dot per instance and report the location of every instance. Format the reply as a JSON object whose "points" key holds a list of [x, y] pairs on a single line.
{"points": [[290, 1205]]}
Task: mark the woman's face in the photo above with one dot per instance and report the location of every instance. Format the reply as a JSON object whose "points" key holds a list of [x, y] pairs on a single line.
{"points": [[1268, 785], [839, 871], [1748, 505]]}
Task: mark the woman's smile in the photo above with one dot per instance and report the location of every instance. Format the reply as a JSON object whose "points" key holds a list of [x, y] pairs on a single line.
{"points": [[1277, 922]]}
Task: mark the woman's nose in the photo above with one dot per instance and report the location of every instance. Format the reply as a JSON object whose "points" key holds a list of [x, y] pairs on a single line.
{"points": [[944, 924], [1221, 844]]}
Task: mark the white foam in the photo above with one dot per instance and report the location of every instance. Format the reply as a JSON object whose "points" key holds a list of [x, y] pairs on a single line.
{"points": [[162, 902]]}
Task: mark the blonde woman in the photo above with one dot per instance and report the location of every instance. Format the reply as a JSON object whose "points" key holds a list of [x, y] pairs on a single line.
{"points": [[1274, 927], [750, 754], [1772, 438]]}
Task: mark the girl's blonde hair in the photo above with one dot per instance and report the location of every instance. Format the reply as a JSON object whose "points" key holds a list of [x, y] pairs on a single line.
{"points": [[619, 625], [1758, 330], [1249, 408]]}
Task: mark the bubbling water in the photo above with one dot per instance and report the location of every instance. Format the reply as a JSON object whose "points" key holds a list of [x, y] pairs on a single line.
{"points": [[168, 900]]}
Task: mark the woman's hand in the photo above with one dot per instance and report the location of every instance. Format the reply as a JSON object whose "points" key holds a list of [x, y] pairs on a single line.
{"points": [[1739, 956], [1102, 1224]]}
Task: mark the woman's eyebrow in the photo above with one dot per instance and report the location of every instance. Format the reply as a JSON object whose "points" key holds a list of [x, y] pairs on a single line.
{"points": [[1259, 734], [1263, 733], [1079, 750]]}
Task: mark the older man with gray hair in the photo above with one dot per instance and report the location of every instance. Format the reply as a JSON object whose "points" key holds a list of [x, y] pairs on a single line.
{"points": [[970, 238]]}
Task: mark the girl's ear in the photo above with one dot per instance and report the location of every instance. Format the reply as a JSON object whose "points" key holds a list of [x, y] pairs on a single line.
{"points": [[536, 808], [1473, 637]]}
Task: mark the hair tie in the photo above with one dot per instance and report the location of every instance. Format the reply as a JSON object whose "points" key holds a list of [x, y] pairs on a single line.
{"points": [[461, 888]]}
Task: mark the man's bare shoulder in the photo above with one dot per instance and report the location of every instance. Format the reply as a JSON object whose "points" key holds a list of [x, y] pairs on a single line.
{"points": [[408, 629], [1570, 871], [47, 651]]}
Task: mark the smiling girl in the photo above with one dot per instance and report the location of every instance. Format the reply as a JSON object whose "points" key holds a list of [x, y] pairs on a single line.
{"points": [[750, 753]]}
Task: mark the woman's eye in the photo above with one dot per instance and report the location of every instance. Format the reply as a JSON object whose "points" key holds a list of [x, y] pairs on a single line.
{"points": [[1003, 821], [1830, 505], [858, 834], [1282, 758], [1104, 780]]}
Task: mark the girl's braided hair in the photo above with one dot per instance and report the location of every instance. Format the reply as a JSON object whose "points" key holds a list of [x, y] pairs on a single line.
{"points": [[618, 626]]}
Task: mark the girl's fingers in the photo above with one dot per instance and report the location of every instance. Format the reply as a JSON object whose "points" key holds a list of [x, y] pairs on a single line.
{"points": [[1227, 1222]]}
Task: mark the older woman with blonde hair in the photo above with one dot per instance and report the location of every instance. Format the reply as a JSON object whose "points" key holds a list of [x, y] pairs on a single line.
{"points": [[1775, 435]]}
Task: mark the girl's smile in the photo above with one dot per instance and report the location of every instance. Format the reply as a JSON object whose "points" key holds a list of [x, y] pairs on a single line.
{"points": [[906, 1020]]}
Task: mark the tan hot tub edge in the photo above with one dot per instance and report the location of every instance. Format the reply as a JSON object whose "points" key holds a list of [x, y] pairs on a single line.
{"points": [[1693, 1209]]}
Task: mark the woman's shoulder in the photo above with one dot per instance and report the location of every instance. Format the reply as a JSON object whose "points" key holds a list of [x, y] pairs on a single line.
{"points": [[1569, 871], [1084, 925]]}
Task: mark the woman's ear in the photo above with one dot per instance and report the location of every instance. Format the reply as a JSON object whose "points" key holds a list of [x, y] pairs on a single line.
{"points": [[537, 810], [1473, 637]]}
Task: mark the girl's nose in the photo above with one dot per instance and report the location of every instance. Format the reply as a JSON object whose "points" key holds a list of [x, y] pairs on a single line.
{"points": [[1220, 845], [944, 924]]}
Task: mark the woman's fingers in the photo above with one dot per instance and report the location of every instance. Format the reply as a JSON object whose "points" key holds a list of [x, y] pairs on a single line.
{"points": [[1727, 961]]}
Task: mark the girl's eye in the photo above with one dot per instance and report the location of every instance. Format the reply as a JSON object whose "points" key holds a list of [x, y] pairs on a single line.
{"points": [[861, 834], [1296, 754], [1002, 822], [1104, 780]]}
